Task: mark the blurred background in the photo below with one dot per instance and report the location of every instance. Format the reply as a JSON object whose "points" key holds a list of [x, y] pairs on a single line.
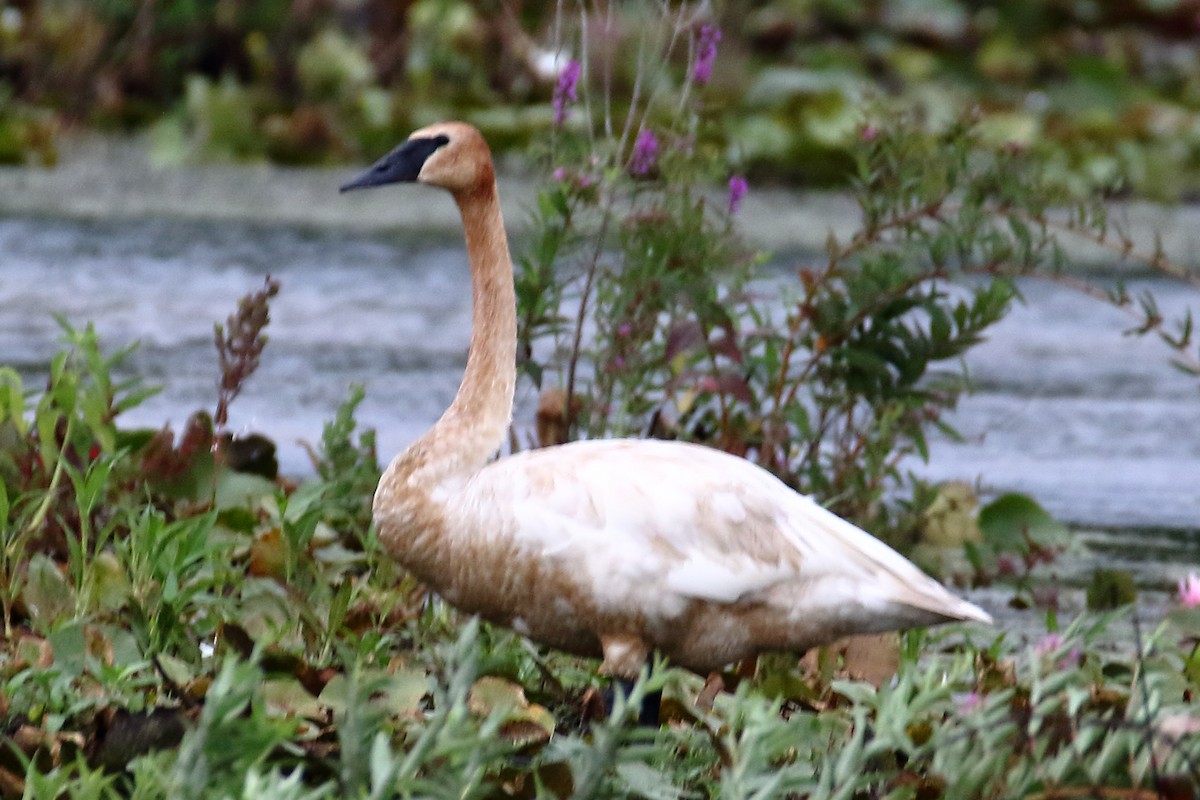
{"points": [[1106, 90]]}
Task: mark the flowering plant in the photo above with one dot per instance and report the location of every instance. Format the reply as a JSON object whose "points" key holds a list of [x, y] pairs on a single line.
{"points": [[626, 224], [631, 233], [838, 375]]}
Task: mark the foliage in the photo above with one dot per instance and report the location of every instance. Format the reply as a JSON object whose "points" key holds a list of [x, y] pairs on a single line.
{"points": [[239, 642], [175, 627], [1102, 91], [27, 134], [836, 384]]}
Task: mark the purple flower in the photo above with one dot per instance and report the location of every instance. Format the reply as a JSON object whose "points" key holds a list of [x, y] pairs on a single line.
{"points": [[706, 53], [566, 91], [559, 174], [737, 190], [645, 153]]}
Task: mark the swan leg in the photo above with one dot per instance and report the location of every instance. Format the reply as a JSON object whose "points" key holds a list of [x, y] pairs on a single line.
{"points": [[624, 656], [648, 714], [714, 684]]}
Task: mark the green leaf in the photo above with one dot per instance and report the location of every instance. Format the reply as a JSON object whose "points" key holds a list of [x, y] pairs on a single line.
{"points": [[1012, 522], [48, 595], [70, 648], [857, 692], [240, 489]]}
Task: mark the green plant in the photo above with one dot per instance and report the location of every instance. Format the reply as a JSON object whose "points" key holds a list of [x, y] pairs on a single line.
{"points": [[201, 632], [836, 382], [350, 468], [57, 460]]}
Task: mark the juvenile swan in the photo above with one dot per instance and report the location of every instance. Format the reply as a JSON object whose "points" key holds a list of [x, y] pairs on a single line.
{"points": [[614, 548]]}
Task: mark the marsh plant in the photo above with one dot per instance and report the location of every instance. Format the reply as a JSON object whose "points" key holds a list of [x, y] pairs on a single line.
{"points": [[176, 628], [832, 371]]}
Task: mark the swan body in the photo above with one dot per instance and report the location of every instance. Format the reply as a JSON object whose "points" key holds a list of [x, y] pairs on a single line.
{"points": [[615, 548]]}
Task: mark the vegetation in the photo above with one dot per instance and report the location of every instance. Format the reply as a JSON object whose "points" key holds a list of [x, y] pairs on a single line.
{"points": [[179, 624], [221, 635], [1101, 90]]}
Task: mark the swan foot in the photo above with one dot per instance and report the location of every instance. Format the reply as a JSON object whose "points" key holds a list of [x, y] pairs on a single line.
{"points": [[596, 704]]}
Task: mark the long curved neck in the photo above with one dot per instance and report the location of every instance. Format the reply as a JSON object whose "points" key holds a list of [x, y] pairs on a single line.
{"points": [[475, 424]]}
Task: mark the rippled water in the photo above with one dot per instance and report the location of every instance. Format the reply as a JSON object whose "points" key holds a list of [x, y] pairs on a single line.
{"points": [[1094, 424]]}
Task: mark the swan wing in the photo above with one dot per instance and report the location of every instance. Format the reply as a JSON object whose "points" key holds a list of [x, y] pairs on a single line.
{"points": [[692, 523]]}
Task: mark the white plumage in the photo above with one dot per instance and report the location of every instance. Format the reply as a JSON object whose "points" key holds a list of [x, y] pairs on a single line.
{"points": [[615, 548]]}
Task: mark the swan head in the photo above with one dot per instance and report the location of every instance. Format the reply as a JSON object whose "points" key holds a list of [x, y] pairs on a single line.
{"points": [[449, 155]]}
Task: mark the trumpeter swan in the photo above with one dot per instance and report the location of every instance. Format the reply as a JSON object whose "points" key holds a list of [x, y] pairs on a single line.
{"points": [[614, 548]]}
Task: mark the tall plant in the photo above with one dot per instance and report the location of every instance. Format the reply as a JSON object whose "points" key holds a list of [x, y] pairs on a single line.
{"points": [[830, 374]]}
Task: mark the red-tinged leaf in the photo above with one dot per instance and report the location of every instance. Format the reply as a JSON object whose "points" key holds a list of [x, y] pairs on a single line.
{"points": [[682, 336], [728, 347], [736, 387], [557, 778], [733, 385]]}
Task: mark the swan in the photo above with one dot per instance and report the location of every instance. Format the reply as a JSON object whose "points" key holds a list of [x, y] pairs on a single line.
{"points": [[614, 548]]}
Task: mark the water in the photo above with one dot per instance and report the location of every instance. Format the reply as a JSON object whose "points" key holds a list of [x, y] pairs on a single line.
{"points": [[1094, 424]]}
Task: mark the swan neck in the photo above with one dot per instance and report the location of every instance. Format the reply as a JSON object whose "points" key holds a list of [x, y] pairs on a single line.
{"points": [[476, 423]]}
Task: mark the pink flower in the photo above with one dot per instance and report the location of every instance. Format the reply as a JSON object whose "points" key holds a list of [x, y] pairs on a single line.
{"points": [[560, 173], [566, 91], [706, 53], [645, 153], [969, 702], [1189, 591], [1050, 644], [737, 190], [869, 133]]}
